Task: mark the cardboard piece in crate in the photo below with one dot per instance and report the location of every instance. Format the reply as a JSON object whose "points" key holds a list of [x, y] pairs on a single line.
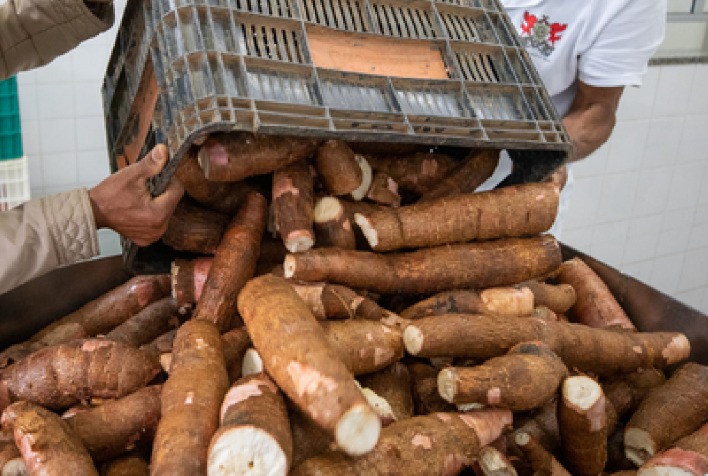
{"points": [[439, 73]]}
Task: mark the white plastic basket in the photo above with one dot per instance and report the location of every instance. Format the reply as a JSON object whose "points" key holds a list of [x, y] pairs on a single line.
{"points": [[14, 182]]}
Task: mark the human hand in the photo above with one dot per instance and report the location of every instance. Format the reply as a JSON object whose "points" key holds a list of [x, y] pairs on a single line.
{"points": [[123, 202]]}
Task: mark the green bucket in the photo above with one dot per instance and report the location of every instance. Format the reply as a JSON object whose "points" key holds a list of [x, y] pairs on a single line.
{"points": [[10, 126]]}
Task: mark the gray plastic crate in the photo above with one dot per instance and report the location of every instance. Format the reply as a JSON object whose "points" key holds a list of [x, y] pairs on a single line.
{"points": [[446, 72]]}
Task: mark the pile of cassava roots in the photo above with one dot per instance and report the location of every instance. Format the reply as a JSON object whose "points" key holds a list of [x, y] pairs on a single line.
{"points": [[354, 309]]}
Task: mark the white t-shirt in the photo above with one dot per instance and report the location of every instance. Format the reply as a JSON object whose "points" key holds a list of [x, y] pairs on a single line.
{"points": [[599, 42]]}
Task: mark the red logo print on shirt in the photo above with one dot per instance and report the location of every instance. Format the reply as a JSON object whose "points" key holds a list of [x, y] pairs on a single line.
{"points": [[540, 34]]}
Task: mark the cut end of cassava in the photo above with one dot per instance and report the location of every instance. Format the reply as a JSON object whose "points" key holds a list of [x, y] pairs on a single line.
{"points": [[678, 349], [289, 267], [367, 230], [327, 209], [380, 405], [522, 438], [357, 431], [447, 384], [299, 240], [494, 463], [15, 467], [639, 446], [582, 392], [166, 361], [246, 451], [665, 471], [252, 363], [413, 339], [675, 462], [366, 178]]}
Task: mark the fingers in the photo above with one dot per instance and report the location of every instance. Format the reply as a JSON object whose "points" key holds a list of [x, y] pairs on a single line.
{"points": [[153, 163], [169, 199]]}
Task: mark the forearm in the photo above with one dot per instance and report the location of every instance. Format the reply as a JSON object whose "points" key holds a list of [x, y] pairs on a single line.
{"points": [[34, 32], [591, 118], [45, 233]]}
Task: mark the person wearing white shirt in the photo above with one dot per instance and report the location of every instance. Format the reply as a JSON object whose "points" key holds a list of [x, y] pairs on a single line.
{"points": [[586, 53]]}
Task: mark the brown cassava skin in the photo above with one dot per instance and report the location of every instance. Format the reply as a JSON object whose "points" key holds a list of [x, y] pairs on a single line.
{"points": [[556, 297], [690, 454], [392, 383], [254, 402], [223, 197], [334, 301], [8, 451], [188, 277], [464, 177], [440, 443], [542, 462], [338, 168], [542, 425], [296, 352], [424, 387], [293, 206], [583, 430], [148, 324], [595, 305], [624, 393], [159, 345], [234, 263], [63, 375], [506, 301], [429, 270], [603, 352], [129, 465], [310, 440], [673, 410], [494, 462], [190, 403], [235, 343], [416, 173], [47, 444], [525, 378], [194, 228], [333, 224], [384, 190], [364, 346], [111, 429], [272, 249], [107, 311], [231, 157], [507, 212]]}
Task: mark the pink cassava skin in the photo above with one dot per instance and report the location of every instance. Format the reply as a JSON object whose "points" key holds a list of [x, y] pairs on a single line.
{"points": [[190, 403], [439, 443], [234, 262], [107, 311], [595, 305], [231, 157], [293, 206], [600, 351], [47, 444], [60, 376], [430, 270], [520, 210]]}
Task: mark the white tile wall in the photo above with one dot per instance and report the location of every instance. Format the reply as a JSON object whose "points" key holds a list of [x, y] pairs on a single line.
{"points": [[639, 204]]}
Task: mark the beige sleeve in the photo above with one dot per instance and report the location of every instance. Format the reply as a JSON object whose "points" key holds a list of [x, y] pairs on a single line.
{"points": [[43, 234], [34, 32]]}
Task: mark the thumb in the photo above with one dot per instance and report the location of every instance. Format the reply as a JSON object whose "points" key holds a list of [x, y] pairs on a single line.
{"points": [[154, 161]]}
